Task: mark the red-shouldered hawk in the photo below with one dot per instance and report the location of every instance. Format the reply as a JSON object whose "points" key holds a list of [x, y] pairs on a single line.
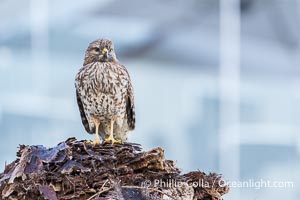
{"points": [[105, 94]]}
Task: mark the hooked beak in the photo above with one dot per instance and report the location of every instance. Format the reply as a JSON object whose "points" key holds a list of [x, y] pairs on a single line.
{"points": [[105, 53]]}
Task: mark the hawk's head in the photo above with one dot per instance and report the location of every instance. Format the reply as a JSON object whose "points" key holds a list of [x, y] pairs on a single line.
{"points": [[101, 50]]}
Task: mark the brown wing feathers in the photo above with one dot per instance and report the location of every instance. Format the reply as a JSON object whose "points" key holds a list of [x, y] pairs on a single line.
{"points": [[130, 110], [82, 115]]}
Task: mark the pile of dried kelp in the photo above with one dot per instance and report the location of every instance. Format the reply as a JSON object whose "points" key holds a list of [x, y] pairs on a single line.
{"points": [[78, 170]]}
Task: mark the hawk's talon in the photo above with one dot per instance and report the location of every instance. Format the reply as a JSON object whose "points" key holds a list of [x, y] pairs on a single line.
{"points": [[96, 142], [88, 141], [112, 140]]}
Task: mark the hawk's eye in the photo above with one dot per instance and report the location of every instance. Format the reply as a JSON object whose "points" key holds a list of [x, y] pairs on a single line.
{"points": [[111, 49], [97, 49]]}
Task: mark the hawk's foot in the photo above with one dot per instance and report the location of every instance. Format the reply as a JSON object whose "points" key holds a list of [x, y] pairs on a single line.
{"points": [[112, 140], [96, 142]]}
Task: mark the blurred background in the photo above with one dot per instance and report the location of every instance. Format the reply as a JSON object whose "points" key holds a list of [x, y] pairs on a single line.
{"points": [[216, 81]]}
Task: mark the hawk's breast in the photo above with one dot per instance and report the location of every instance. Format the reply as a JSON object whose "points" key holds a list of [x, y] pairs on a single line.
{"points": [[102, 88]]}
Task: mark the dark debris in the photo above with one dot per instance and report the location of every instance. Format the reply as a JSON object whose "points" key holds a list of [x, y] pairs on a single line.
{"points": [[78, 170]]}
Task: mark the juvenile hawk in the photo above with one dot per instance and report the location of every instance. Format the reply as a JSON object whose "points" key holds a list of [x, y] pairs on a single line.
{"points": [[105, 94]]}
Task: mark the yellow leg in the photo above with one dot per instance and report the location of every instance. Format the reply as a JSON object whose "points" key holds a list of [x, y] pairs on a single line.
{"points": [[97, 139], [111, 138]]}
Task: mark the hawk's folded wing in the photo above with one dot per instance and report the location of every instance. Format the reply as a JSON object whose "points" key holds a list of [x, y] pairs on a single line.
{"points": [[130, 110], [82, 114]]}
